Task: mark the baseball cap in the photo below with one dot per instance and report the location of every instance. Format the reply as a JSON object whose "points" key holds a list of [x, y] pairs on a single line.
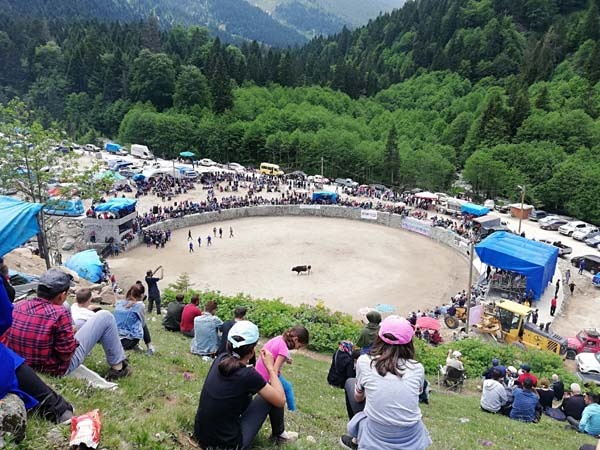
{"points": [[495, 362], [244, 329], [56, 280], [525, 367], [399, 328], [456, 354], [512, 369]]}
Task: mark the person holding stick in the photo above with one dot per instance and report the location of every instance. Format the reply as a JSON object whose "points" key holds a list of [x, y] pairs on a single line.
{"points": [[153, 292]]}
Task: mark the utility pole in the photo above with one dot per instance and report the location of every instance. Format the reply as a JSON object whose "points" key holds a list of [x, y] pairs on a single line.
{"points": [[321, 166], [471, 251], [522, 200]]}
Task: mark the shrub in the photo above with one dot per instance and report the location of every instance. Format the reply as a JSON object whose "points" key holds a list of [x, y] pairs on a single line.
{"points": [[327, 328]]}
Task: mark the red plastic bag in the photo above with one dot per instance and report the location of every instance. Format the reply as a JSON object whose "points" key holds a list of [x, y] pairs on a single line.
{"points": [[85, 429]]}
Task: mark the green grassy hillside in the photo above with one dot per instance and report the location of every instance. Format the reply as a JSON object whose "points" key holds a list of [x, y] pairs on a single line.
{"points": [[154, 409]]}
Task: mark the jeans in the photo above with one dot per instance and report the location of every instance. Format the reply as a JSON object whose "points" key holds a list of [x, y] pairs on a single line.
{"points": [[254, 417], [51, 405], [352, 406], [290, 398], [101, 328], [151, 301]]}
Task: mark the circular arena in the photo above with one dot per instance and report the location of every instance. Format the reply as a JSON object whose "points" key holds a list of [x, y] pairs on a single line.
{"points": [[354, 264]]}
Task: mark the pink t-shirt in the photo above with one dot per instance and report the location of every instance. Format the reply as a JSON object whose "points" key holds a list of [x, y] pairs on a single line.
{"points": [[277, 347]]}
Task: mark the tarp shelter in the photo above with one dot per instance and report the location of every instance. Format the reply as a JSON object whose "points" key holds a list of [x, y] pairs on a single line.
{"points": [[115, 205], [535, 260], [18, 223], [187, 154], [112, 147], [473, 209], [324, 196], [62, 207], [426, 195], [87, 264], [596, 280], [488, 221]]}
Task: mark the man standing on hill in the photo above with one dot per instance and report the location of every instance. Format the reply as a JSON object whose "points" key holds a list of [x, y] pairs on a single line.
{"points": [[553, 306]]}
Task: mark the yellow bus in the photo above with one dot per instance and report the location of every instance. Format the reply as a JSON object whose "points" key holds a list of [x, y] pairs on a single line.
{"points": [[270, 169]]}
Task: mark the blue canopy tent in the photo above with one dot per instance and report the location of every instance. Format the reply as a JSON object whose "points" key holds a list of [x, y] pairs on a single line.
{"points": [[324, 197], [473, 209], [19, 222], [535, 260], [62, 207], [115, 205], [87, 264], [187, 154], [112, 147]]}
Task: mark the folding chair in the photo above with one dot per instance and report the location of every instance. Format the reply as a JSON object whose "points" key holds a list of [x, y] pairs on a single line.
{"points": [[453, 379]]}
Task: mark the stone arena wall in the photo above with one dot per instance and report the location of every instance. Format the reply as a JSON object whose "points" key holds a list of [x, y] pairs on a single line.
{"points": [[410, 224]]}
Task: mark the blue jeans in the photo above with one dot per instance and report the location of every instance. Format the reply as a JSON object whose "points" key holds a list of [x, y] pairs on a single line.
{"points": [[101, 328], [290, 398]]}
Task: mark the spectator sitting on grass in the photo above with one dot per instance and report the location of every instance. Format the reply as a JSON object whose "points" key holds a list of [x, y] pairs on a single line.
{"points": [[493, 394], [227, 416], [573, 403], [18, 378], [172, 320], [526, 405], [189, 313], [206, 332], [590, 419], [130, 315], [369, 332], [42, 332]]}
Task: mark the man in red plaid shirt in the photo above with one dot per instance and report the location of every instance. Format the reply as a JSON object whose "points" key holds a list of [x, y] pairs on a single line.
{"points": [[42, 331]]}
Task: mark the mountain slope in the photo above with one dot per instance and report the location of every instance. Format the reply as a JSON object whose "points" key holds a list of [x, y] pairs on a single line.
{"points": [[324, 17], [234, 20]]}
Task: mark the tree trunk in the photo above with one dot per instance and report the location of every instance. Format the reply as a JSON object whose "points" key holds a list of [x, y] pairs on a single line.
{"points": [[43, 241]]}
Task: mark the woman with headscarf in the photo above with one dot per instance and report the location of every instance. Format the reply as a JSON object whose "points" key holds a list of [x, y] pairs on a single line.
{"points": [[388, 383], [342, 365], [369, 331]]}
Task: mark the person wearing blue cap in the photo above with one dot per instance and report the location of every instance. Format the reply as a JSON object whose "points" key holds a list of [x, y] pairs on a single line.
{"points": [[228, 417], [487, 375]]}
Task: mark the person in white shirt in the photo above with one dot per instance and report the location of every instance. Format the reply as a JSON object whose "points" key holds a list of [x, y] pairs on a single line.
{"points": [[453, 360], [83, 309]]}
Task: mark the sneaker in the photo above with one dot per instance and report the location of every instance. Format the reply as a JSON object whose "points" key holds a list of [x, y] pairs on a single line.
{"points": [[348, 441], [137, 348], [65, 418], [286, 437], [150, 350], [114, 374]]}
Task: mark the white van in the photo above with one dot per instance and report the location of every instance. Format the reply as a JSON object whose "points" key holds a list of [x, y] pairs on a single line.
{"points": [[91, 148], [450, 206], [141, 151]]}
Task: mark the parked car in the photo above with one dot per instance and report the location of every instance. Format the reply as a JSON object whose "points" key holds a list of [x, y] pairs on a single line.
{"points": [[585, 233], [207, 162], [569, 228], [586, 341], [319, 179], [379, 187], [563, 249], [502, 206], [346, 182], [537, 214], [553, 224], [296, 175], [588, 362], [91, 148], [591, 263], [236, 167], [593, 241]]}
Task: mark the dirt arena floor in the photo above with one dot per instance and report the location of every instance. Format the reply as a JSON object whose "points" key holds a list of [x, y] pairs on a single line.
{"points": [[354, 264]]}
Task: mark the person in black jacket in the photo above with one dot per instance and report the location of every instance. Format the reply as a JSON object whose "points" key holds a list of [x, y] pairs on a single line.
{"points": [[10, 291], [574, 404], [558, 387], [342, 365]]}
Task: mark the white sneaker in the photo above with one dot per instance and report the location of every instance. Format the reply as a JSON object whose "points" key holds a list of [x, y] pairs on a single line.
{"points": [[286, 436]]}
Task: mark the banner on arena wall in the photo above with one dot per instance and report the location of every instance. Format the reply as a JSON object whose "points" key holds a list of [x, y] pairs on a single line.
{"points": [[368, 214], [416, 226], [475, 315], [310, 206]]}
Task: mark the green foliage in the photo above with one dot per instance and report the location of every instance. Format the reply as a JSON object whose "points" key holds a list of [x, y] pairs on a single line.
{"points": [[183, 284], [273, 317]]}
